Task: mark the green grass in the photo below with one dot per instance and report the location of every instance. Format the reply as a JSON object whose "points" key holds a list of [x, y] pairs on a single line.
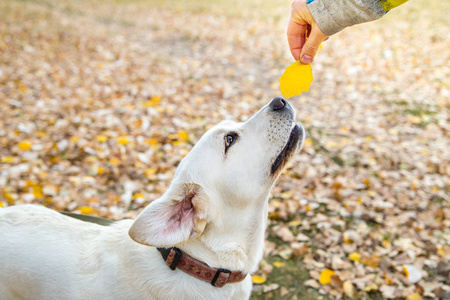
{"points": [[291, 276]]}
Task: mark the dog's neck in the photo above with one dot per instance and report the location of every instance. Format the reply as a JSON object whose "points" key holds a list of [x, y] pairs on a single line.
{"points": [[235, 243]]}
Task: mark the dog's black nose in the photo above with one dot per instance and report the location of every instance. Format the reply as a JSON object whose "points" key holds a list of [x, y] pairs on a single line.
{"points": [[277, 103]]}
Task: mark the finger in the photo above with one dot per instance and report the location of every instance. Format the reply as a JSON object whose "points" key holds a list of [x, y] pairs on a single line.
{"points": [[311, 45], [296, 38]]}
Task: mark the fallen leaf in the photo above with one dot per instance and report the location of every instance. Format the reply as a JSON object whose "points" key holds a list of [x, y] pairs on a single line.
{"points": [[351, 237], [135, 196], [354, 256], [371, 287], [349, 290], [372, 261], [278, 264], [284, 291], [257, 279], [123, 140], [414, 296], [102, 138], [270, 287], [312, 283], [412, 272], [183, 135], [8, 197], [37, 191], [285, 234], [325, 276], [86, 210], [155, 100], [336, 282], [7, 159], [25, 145]]}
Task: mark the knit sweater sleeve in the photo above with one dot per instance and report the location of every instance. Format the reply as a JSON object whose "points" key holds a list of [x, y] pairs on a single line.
{"points": [[334, 15]]}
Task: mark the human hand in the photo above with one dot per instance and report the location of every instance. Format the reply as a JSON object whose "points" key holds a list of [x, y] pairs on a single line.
{"points": [[303, 46]]}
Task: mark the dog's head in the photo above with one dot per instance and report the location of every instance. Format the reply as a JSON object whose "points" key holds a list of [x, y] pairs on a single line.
{"points": [[233, 166]]}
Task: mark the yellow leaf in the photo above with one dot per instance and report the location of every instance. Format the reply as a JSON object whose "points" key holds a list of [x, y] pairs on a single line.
{"points": [[114, 161], [296, 79], [25, 146], [369, 288], [152, 102], [347, 240], [152, 142], [414, 296], [276, 203], [278, 264], [294, 223], [86, 210], [41, 133], [325, 276], [256, 279], [372, 261], [37, 191], [183, 135], [444, 251], [135, 196], [355, 256], [1, 204], [29, 183], [8, 197], [22, 88], [274, 215], [7, 159], [123, 140], [349, 290], [102, 138], [150, 172]]}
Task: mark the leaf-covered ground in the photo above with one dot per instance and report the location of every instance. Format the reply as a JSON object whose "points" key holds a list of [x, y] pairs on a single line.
{"points": [[100, 100]]}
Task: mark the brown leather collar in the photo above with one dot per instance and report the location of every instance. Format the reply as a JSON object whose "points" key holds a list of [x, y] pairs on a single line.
{"points": [[175, 258]]}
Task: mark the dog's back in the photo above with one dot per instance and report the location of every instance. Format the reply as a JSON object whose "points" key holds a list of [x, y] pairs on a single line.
{"points": [[46, 255], [38, 243]]}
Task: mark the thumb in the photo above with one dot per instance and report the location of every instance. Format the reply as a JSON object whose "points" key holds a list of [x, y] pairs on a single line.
{"points": [[311, 45]]}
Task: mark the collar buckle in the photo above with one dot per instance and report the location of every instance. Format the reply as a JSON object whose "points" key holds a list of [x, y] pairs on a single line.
{"points": [[221, 277], [171, 255]]}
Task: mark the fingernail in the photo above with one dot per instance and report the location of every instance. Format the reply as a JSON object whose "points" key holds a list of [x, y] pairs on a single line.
{"points": [[306, 59]]}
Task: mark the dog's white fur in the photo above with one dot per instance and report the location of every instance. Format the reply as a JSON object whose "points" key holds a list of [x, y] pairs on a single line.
{"points": [[214, 210]]}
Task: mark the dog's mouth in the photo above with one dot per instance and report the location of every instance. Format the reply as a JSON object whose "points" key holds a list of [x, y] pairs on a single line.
{"points": [[288, 150]]}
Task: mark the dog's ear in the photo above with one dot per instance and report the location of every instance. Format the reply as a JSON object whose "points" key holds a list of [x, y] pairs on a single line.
{"points": [[177, 216]]}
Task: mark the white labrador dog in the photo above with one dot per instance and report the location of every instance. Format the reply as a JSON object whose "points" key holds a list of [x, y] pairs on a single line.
{"points": [[214, 211]]}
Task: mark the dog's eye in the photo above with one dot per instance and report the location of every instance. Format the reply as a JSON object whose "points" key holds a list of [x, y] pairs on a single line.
{"points": [[230, 138]]}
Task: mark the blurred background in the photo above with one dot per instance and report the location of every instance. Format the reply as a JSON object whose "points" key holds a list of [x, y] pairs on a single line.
{"points": [[100, 100]]}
